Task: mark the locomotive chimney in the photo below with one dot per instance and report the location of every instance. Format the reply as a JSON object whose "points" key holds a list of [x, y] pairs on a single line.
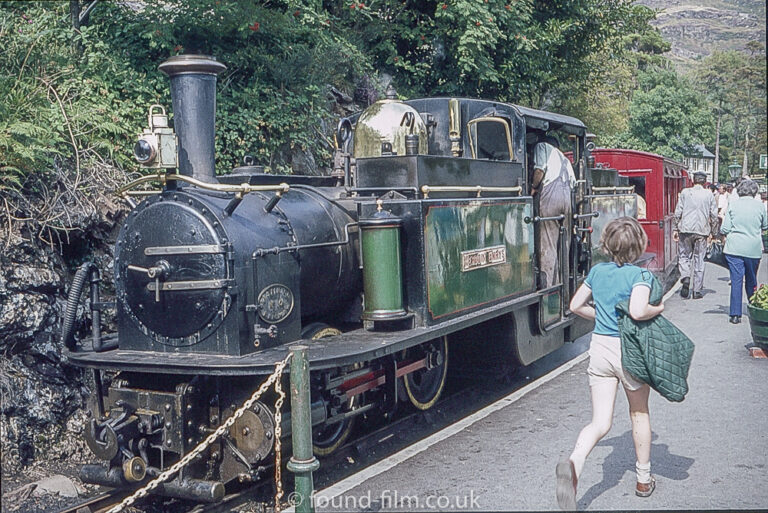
{"points": [[193, 93]]}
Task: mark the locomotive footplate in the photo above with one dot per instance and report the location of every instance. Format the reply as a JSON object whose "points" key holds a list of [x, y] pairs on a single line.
{"points": [[348, 348]]}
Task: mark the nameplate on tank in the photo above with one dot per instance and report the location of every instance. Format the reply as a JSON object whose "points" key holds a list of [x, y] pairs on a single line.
{"points": [[485, 257]]}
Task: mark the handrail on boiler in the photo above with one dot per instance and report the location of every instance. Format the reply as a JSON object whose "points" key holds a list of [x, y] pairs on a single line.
{"points": [[163, 178]]}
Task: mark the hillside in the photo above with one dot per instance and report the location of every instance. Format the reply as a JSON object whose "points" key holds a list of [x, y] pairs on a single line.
{"points": [[697, 27]]}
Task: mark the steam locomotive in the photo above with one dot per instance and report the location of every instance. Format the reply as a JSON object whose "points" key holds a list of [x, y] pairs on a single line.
{"points": [[424, 231]]}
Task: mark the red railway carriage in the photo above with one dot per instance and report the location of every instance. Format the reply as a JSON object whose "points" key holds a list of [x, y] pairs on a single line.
{"points": [[658, 180]]}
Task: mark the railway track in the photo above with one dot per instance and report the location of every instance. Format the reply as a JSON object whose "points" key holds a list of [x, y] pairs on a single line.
{"points": [[98, 504], [105, 501], [466, 396], [259, 495]]}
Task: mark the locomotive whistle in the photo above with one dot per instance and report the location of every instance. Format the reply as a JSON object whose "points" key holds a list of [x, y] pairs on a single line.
{"points": [[454, 131]]}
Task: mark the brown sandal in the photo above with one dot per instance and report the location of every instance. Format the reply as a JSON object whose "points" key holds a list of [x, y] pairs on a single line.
{"points": [[645, 489]]}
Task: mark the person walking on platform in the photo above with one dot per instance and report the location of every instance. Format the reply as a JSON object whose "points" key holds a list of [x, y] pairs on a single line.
{"points": [[608, 284], [553, 176], [696, 221], [745, 219]]}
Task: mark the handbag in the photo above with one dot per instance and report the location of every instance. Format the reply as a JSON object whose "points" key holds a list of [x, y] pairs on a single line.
{"points": [[715, 254], [655, 351]]}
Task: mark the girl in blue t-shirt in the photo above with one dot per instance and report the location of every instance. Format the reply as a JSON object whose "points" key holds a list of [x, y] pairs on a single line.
{"points": [[608, 284]]}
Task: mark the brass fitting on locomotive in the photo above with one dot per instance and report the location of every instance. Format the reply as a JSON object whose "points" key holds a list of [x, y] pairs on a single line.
{"points": [[157, 144]]}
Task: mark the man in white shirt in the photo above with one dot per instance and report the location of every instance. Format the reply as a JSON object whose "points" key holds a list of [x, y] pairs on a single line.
{"points": [[553, 179], [641, 207], [722, 201]]}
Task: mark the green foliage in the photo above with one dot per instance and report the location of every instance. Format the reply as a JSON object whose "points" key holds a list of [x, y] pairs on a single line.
{"points": [[280, 60], [54, 103], [667, 116], [602, 98], [734, 83], [577, 56], [760, 298], [521, 51], [26, 114]]}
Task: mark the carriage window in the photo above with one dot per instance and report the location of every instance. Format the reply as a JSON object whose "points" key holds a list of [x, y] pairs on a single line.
{"points": [[671, 189], [490, 138], [642, 199]]}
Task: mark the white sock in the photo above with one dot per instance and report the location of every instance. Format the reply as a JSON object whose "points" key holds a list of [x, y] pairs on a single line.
{"points": [[643, 472]]}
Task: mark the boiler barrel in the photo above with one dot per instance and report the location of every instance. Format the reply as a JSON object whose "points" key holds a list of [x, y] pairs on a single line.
{"points": [[329, 276]]}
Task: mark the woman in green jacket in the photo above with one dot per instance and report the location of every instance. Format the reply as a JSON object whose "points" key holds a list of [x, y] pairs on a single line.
{"points": [[744, 221]]}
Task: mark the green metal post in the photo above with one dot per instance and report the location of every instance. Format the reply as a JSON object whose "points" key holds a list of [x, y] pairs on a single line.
{"points": [[303, 461]]}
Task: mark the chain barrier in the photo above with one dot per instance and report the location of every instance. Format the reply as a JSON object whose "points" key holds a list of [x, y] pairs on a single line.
{"points": [[273, 378], [278, 445]]}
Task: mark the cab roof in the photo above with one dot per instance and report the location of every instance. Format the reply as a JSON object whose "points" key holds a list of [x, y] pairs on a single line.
{"points": [[546, 120]]}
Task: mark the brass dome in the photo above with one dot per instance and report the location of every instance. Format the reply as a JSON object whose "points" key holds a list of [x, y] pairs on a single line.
{"points": [[383, 122]]}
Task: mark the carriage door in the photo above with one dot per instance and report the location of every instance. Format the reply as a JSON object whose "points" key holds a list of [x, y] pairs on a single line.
{"points": [[671, 190]]}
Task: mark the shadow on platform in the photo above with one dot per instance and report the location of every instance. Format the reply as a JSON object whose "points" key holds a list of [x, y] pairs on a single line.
{"points": [[618, 462]]}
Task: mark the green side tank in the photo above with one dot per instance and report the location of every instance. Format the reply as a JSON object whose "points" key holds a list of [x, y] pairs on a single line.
{"points": [[382, 267]]}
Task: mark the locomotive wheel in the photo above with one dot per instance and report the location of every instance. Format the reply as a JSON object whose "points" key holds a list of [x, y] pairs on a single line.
{"points": [[318, 330], [328, 438], [424, 386]]}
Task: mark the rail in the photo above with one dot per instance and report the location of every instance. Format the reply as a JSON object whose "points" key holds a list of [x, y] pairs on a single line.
{"points": [[140, 193], [99, 503], [538, 219], [277, 250], [582, 216], [479, 189]]}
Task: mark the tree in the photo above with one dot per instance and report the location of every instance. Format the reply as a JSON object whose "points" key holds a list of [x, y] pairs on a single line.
{"points": [[602, 101], [755, 105], [714, 77], [667, 115], [734, 83], [520, 51]]}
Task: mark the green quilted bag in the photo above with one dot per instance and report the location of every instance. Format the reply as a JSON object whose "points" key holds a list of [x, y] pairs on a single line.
{"points": [[655, 351]]}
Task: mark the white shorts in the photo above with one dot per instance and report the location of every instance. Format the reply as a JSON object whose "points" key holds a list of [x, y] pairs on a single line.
{"points": [[605, 363]]}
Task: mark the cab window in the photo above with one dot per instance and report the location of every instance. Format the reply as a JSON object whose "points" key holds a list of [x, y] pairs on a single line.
{"points": [[490, 138]]}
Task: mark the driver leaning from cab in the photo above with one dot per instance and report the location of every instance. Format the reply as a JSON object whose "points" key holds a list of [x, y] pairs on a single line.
{"points": [[553, 178]]}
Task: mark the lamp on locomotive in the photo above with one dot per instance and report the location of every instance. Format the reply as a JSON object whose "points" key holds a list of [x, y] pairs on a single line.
{"points": [[156, 147]]}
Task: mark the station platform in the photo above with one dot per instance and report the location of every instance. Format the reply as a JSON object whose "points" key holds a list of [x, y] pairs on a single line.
{"points": [[708, 452]]}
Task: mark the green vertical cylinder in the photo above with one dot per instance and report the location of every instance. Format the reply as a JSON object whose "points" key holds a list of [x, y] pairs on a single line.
{"points": [[382, 267], [303, 461]]}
